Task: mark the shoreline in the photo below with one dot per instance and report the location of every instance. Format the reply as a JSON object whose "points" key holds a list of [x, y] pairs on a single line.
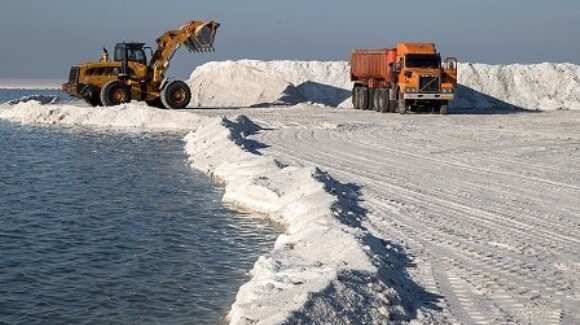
{"points": [[319, 249]]}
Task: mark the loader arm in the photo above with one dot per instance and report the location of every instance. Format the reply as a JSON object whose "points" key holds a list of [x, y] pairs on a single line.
{"points": [[197, 36]]}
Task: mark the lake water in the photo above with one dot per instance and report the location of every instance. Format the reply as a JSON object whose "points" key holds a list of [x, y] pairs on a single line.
{"points": [[10, 94], [101, 227]]}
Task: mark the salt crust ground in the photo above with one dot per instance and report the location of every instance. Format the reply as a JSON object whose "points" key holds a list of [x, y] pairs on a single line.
{"points": [[330, 267]]}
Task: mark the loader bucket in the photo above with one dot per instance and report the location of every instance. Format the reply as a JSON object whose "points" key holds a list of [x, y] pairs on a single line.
{"points": [[202, 36]]}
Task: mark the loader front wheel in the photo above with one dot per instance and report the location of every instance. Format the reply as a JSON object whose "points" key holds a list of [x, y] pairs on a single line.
{"points": [[176, 95], [115, 92], [155, 103]]}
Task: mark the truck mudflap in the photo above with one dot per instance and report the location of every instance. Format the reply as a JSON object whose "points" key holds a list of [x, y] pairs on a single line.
{"points": [[438, 96]]}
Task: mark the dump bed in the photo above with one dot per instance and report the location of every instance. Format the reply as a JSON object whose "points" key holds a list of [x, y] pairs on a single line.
{"points": [[374, 64]]}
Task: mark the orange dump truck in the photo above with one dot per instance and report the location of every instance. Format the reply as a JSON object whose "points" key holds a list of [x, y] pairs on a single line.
{"points": [[411, 77]]}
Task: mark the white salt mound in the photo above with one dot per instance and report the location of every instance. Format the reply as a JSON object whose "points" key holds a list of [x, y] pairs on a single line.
{"points": [[248, 83], [546, 86]]}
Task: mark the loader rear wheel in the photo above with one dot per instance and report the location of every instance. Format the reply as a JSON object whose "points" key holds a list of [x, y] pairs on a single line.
{"points": [[91, 96], [176, 95], [115, 92], [94, 101]]}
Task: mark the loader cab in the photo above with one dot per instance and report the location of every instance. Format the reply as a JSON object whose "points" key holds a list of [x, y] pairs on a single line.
{"points": [[133, 52]]}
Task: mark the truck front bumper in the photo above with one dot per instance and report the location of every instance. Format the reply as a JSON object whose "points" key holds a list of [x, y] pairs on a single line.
{"points": [[437, 96]]}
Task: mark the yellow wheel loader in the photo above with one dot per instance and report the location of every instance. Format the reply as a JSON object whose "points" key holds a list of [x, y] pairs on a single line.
{"points": [[130, 76]]}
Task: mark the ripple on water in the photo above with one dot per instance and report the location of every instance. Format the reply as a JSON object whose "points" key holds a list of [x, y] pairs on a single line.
{"points": [[115, 228]]}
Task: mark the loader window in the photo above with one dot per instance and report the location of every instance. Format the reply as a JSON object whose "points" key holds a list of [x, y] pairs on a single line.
{"points": [[133, 54], [423, 61], [137, 55]]}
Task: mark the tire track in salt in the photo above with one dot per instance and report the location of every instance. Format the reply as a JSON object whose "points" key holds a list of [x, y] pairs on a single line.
{"points": [[508, 223], [560, 229], [316, 160]]}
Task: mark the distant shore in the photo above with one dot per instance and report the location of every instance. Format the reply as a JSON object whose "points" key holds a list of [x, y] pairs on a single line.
{"points": [[8, 83]]}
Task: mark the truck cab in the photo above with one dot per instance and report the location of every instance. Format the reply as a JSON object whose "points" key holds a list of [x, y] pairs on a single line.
{"points": [[410, 77], [421, 76]]}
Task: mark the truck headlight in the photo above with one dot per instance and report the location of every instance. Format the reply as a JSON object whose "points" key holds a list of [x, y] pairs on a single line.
{"points": [[411, 90], [447, 90]]}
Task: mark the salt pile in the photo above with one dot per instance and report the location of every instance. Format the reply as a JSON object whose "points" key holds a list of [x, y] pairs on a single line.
{"points": [[248, 83], [132, 115], [546, 86]]}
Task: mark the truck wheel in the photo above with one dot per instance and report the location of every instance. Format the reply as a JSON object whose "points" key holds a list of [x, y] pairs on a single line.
{"points": [[371, 100], [401, 103], [176, 94], [392, 103], [364, 98], [355, 91], [357, 97], [378, 95], [115, 92], [384, 101], [444, 110]]}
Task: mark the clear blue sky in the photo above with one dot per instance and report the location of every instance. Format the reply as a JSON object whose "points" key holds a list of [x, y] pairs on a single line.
{"points": [[42, 38]]}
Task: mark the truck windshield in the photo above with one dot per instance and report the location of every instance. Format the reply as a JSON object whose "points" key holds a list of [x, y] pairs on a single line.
{"points": [[423, 61]]}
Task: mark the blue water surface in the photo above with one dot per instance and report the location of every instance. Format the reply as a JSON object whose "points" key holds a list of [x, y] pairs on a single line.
{"points": [[10, 94], [103, 227]]}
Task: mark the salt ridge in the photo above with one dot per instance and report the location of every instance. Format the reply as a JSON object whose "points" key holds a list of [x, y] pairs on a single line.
{"points": [[324, 249]]}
